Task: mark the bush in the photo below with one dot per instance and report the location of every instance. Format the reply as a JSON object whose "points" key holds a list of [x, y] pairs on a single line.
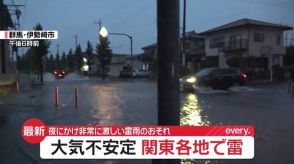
{"points": [[291, 71], [258, 75], [292, 74], [234, 61], [278, 73], [186, 71]]}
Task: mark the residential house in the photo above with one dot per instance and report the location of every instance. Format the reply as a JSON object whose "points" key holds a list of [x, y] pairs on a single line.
{"points": [[7, 65], [117, 64], [149, 56], [258, 44], [194, 52], [120, 62]]}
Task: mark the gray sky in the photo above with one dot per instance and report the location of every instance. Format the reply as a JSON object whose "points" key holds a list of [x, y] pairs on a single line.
{"points": [[138, 18]]}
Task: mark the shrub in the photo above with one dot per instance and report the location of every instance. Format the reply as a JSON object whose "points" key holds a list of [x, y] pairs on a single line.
{"points": [[234, 61], [185, 71], [278, 73]]}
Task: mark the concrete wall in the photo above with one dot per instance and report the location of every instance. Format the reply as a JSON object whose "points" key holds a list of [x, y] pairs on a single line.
{"points": [[118, 62], [114, 69]]}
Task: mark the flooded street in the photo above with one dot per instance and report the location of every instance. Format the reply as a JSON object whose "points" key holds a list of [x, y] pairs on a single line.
{"points": [[268, 107]]}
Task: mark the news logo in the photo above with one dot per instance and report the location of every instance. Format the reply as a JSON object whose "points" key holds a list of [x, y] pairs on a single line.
{"points": [[140, 142]]}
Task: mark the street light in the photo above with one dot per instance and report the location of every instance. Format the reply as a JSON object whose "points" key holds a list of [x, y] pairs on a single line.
{"points": [[104, 33]]}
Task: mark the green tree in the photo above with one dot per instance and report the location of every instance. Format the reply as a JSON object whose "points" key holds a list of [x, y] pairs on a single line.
{"points": [[104, 54], [19, 63], [63, 60], [70, 60], [290, 50], [40, 53], [57, 61], [289, 57], [234, 61], [50, 64], [78, 57], [89, 55], [29, 62], [89, 49]]}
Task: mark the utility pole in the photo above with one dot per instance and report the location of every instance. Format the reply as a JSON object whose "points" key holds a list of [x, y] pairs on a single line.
{"points": [[76, 40], [184, 35], [76, 43], [168, 35], [99, 23]]}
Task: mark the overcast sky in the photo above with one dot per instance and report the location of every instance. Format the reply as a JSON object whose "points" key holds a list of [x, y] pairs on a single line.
{"points": [[138, 18]]}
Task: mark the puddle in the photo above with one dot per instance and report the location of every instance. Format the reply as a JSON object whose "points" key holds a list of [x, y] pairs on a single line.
{"points": [[191, 113]]}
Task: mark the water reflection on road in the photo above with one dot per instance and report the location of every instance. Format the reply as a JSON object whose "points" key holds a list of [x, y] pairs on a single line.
{"points": [[107, 105], [192, 115], [191, 112]]}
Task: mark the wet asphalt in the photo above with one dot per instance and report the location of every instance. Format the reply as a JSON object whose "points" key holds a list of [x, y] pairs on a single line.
{"points": [[268, 107]]}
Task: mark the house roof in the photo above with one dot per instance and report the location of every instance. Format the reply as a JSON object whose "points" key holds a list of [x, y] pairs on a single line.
{"points": [[150, 46], [246, 22], [193, 35], [190, 34], [5, 15]]}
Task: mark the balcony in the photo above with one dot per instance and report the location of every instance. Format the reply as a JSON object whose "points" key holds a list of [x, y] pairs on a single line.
{"points": [[238, 45]]}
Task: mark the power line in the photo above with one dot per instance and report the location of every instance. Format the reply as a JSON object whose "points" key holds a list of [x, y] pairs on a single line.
{"points": [[278, 4], [118, 8], [134, 14]]}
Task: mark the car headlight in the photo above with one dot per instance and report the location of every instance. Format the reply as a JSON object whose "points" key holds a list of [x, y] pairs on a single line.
{"points": [[191, 80]]}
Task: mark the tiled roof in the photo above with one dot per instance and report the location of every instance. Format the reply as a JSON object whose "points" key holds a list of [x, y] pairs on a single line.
{"points": [[150, 46], [245, 22], [190, 34]]}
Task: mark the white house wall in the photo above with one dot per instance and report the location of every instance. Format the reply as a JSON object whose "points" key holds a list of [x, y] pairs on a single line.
{"points": [[226, 33], [270, 42], [256, 49]]}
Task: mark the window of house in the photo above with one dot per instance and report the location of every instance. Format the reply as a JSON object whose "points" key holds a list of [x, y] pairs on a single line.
{"points": [[258, 37], [235, 41], [217, 42], [278, 39], [187, 46], [201, 44]]}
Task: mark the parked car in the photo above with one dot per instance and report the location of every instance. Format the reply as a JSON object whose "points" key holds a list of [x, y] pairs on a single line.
{"points": [[134, 73], [141, 73], [126, 73], [59, 74], [216, 78]]}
